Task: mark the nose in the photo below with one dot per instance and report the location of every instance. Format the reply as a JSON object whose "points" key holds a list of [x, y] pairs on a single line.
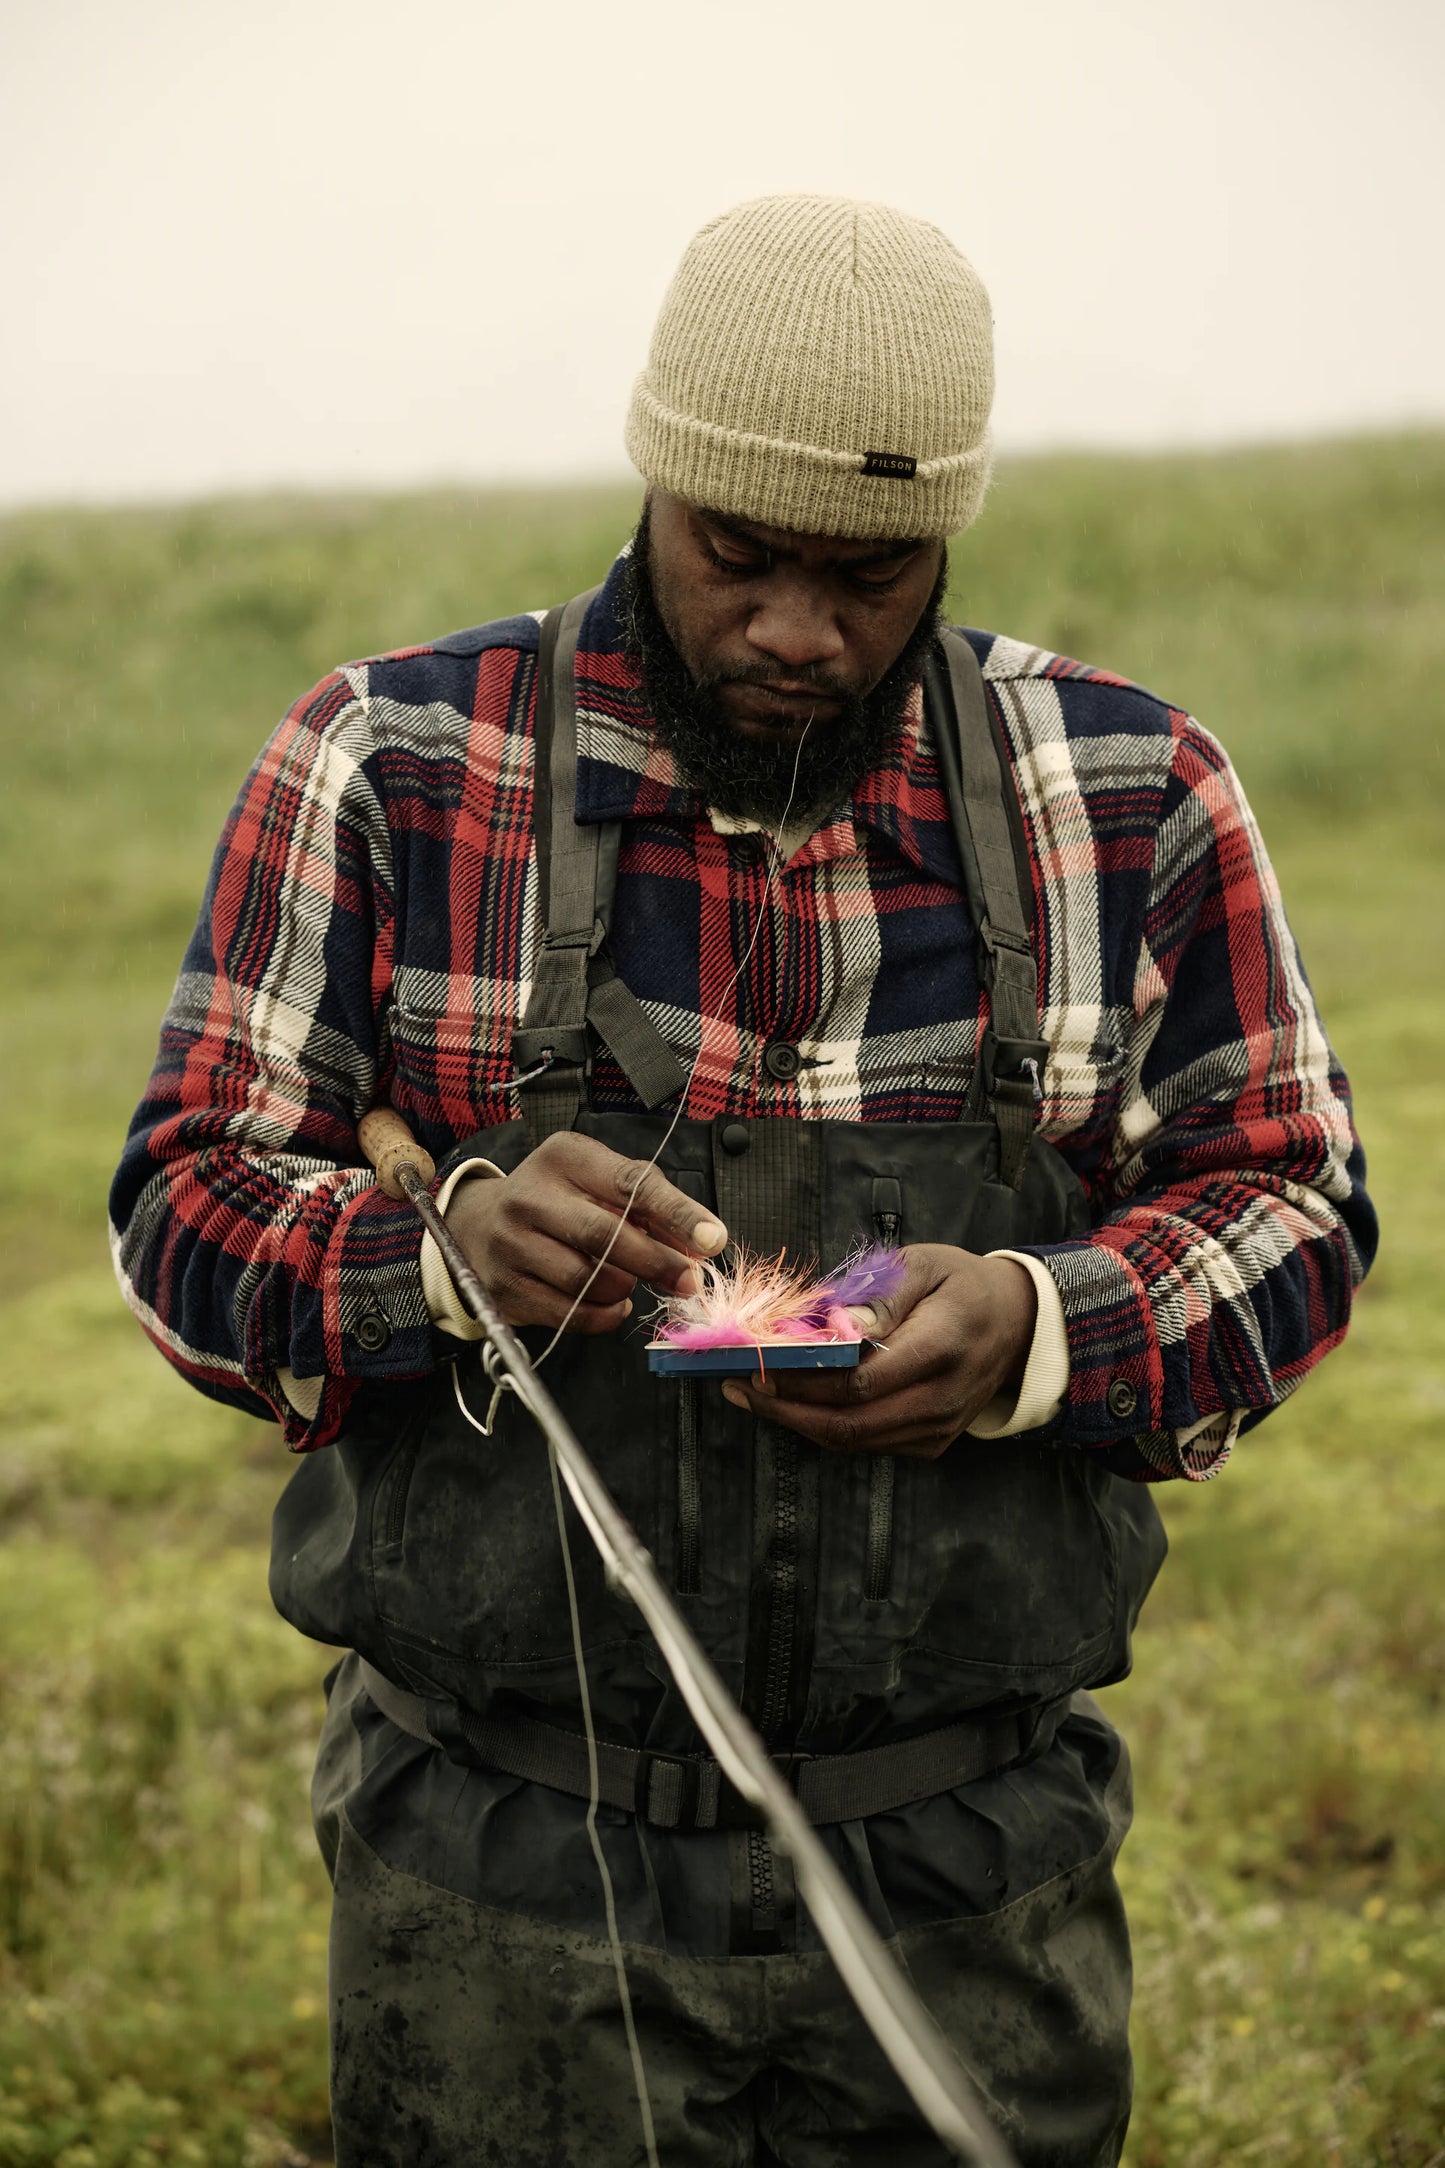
{"points": [[795, 624]]}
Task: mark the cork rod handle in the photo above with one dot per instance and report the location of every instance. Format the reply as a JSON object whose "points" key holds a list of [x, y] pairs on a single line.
{"points": [[389, 1144]]}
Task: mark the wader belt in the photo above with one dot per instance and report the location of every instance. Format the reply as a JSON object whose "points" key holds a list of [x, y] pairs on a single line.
{"points": [[686, 1792], [576, 988]]}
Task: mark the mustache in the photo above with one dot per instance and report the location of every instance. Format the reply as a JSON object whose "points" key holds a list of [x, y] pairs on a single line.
{"points": [[815, 677]]}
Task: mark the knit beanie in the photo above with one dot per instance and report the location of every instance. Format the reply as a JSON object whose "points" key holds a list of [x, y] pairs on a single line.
{"points": [[824, 365]]}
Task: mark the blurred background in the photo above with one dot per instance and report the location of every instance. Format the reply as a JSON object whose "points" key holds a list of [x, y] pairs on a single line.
{"points": [[320, 326]]}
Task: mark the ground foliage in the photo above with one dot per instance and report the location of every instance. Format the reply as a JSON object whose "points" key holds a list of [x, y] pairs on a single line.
{"points": [[162, 1913]]}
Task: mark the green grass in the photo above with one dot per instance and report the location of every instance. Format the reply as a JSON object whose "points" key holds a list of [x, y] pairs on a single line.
{"points": [[162, 1913]]}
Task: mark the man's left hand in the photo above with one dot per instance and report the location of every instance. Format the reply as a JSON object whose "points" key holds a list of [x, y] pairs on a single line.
{"points": [[957, 1332]]}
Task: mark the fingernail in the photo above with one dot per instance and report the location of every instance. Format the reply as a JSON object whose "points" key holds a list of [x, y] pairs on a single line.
{"points": [[688, 1283], [762, 1384], [864, 1318], [709, 1235], [735, 1394], [627, 1308]]}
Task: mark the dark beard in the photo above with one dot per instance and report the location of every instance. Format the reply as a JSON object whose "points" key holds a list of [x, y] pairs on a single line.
{"points": [[749, 776]]}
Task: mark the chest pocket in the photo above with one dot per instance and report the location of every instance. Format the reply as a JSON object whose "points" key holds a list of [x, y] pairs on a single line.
{"points": [[450, 1053]]}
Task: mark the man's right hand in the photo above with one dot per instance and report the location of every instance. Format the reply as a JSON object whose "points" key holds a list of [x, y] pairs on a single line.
{"points": [[534, 1238]]}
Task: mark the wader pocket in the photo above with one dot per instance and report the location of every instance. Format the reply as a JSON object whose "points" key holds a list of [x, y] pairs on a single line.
{"points": [[465, 1558]]}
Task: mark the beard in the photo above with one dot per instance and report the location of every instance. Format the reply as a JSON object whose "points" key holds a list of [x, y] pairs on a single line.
{"points": [[749, 776]]}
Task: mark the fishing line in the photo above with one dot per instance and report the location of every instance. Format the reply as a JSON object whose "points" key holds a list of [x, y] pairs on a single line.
{"points": [[594, 1786]]}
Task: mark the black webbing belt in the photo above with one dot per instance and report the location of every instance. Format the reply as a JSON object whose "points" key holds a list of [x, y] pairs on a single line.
{"points": [[687, 1792]]}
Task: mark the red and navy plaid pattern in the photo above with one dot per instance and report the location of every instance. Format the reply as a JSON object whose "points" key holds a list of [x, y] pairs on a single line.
{"points": [[368, 930]]}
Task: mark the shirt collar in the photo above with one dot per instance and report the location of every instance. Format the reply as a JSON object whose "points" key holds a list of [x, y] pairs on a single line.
{"points": [[625, 773]]}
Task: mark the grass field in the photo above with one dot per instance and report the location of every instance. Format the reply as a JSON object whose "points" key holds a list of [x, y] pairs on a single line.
{"points": [[162, 1913]]}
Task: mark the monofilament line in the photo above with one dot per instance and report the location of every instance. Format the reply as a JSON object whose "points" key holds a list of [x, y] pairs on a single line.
{"points": [[594, 1785]]}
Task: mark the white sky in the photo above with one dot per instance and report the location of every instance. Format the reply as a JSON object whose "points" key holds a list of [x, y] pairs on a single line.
{"points": [[322, 242]]}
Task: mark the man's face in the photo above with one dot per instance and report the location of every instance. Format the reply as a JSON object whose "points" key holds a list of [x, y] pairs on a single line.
{"points": [[778, 664]]}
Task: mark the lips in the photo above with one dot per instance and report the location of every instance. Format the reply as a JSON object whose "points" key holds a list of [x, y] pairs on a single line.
{"points": [[778, 705]]}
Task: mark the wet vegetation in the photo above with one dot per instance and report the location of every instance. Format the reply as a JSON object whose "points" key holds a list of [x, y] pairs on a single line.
{"points": [[162, 1911]]}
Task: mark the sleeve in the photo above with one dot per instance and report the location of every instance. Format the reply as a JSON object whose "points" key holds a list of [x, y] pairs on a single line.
{"points": [[253, 1246], [1231, 1224]]}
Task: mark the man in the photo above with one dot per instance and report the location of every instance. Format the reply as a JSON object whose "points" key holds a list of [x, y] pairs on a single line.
{"points": [[856, 928]]}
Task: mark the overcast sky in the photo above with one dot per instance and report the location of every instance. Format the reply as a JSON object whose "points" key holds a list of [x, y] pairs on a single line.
{"points": [[321, 242]]}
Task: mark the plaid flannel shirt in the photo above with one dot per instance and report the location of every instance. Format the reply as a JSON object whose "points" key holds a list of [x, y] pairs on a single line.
{"points": [[368, 928]]}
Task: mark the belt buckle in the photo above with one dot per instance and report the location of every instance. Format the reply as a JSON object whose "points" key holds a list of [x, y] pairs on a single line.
{"points": [[690, 1774], [788, 1766]]}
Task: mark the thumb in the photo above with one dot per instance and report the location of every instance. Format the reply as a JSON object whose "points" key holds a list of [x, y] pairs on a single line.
{"points": [[883, 1296]]}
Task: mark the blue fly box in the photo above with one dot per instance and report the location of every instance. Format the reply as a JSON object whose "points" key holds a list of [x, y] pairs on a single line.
{"points": [[741, 1362]]}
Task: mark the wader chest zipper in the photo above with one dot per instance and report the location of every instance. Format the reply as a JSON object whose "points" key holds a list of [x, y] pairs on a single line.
{"points": [[689, 1491]]}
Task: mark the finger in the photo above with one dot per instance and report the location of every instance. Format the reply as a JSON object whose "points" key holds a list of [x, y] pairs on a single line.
{"points": [[536, 1256], [880, 1318], [588, 1228], [532, 1302], [917, 1351], [651, 1201], [905, 1421]]}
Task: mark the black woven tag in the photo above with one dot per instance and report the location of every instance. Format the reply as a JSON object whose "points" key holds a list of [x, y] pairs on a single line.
{"points": [[896, 465]]}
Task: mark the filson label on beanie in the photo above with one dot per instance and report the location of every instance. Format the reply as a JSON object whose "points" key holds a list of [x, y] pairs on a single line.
{"points": [[896, 465], [889, 462]]}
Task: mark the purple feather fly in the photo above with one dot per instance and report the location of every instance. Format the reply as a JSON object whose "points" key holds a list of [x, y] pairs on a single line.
{"points": [[756, 1302]]}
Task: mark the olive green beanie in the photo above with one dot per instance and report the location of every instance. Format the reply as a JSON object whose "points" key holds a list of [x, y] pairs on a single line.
{"points": [[821, 364]]}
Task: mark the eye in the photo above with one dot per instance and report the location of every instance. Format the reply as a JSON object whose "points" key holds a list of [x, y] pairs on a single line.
{"points": [[875, 583], [738, 568], [876, 575]]}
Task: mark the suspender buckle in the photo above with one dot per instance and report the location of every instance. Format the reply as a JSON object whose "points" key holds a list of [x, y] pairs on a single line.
{"points": [[590, 940], [1012, 1068], [995, 938], [551, 1046]]}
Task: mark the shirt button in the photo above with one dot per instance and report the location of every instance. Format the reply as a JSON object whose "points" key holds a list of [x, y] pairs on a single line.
{"points": [[782, 1061], [735, 1138], [1121, 1398], [372, 1333]]}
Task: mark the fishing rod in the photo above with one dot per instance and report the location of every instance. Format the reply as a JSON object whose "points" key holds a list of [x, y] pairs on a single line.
{"points": [[940, 2089]]}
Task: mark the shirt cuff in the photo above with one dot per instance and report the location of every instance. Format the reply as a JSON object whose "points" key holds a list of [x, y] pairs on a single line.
{"points": [[1046, 1373], [442, 1299], [1195, 1452], [303, 1394]]}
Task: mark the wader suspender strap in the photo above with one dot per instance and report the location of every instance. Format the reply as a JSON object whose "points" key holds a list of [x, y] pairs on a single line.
{"points": [[575, 984], [976, 776]]}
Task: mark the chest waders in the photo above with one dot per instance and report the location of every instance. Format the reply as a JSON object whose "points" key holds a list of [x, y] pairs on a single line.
{"points": [[893, 1627]]}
